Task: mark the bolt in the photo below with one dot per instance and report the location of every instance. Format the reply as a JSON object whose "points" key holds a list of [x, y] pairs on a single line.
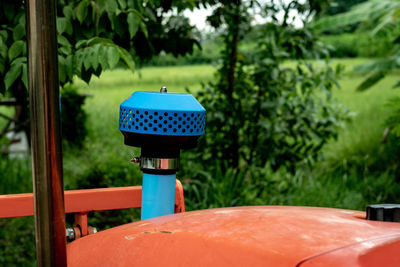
{"points": [[135, 160], [70, 233], [92, 230], [163, 89]]}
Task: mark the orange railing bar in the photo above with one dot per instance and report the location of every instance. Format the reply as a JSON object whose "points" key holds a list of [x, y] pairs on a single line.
{"points": [[85, 200]]}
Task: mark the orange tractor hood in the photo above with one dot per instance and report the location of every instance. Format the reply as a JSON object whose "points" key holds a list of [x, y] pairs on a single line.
{"points": [[245, 236]]}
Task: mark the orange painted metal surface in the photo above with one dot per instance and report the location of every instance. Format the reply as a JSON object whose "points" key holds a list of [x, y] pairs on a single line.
{"points": [[81, 223], [83, 201], [179, 198], [244, 236], [379, 252]]}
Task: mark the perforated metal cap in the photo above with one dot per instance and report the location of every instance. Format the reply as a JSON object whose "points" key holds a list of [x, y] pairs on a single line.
{"points": [[161, 113]]}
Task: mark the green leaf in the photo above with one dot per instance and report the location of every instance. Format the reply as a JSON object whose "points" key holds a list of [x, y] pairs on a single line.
{"points": [[19, 61], [63, 41], [133, 24], [144, 29], [16, 49], [111, 7], [99, 40], [24, 76], [81, 11], [81, 43], [372, 79], [4, 34], [68, 11], [64, 50], [150, 14], [65, 47], [79, 59], [64, 25], [61, 69], [112, 56], [102, 5], [95, 56], [103, 57], [136, 12], [18, 32], [384, 64], [122, 4], [86, 58], [22, 19], [12, 75], [9, 9], [127, 58]]}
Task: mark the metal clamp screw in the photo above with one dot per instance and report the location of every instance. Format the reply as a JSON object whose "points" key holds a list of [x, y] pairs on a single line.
{"points": [[159, 163], [135, 160], [70, 233]]}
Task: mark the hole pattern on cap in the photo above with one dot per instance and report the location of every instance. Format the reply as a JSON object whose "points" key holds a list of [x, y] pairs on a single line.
{"points": [[161, 122]]}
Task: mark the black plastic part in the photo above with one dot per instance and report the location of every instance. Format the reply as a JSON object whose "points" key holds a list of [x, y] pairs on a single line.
{"points": [[160, 146], [384, 212], [161, 153], [160, 142]]}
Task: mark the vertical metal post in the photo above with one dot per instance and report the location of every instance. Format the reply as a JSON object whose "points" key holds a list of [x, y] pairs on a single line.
{"points": [[45, 133]]}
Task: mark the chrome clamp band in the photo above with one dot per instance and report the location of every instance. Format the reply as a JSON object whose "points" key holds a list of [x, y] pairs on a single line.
{"points": [[159, 164]]}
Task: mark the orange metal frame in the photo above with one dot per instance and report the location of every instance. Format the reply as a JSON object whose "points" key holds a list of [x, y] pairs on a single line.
{"points": [[81, 202]]}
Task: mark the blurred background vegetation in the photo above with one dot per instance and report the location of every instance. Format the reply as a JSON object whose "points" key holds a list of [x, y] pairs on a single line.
{"points": [[301, 99]]}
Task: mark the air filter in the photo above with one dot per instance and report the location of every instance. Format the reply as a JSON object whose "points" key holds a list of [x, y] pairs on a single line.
{"points": [[161, 120], [161, 124]]}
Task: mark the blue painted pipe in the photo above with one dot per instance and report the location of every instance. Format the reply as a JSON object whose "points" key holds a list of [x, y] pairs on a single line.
{"points": [[158, 195]]}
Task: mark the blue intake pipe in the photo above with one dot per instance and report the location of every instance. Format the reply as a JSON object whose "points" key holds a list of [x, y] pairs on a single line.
{"points": [[158, 195]]}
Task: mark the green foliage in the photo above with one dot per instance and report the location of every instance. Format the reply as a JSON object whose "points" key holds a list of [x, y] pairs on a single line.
{"points": [[17, 241], [341, 6], [372, 78], [338, 7], [268, 112], [92, 36], [208, 54], [73, 116], [357, 45], [381, 15], [13, 62], [393, 122], [263, 186], [384, 16]]}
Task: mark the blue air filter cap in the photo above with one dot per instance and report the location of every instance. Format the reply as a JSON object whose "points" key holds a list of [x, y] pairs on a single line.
{"points": [[159, 113], [161, 119]]}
